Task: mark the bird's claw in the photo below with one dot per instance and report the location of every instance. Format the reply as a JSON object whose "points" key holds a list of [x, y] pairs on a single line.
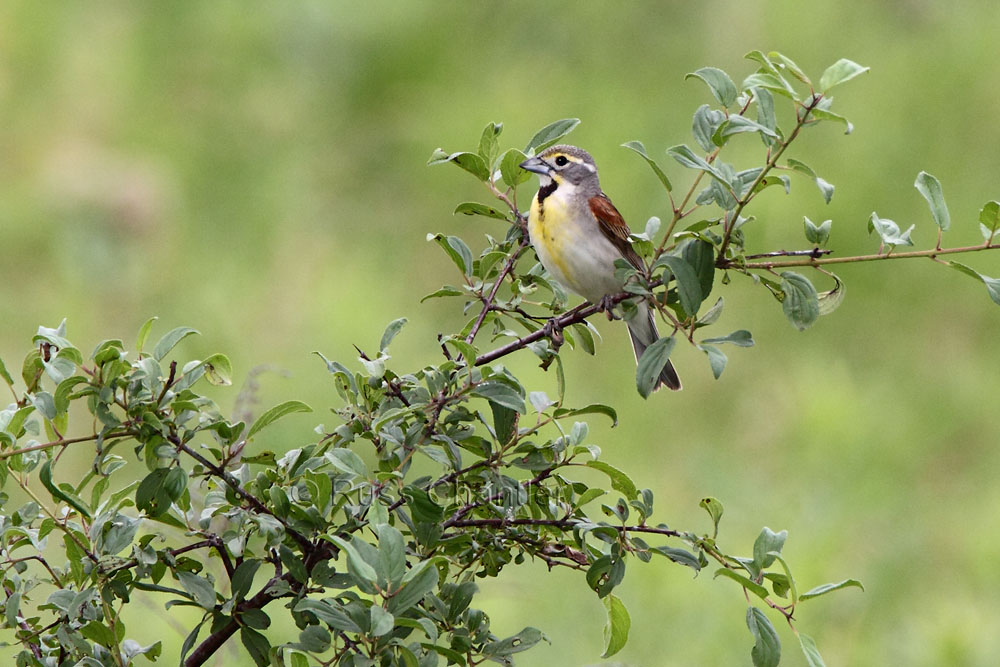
{"points": [[607, 304], [553, 331]]}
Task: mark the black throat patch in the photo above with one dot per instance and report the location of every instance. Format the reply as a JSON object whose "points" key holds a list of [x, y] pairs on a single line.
{"points": [[545, 191]]}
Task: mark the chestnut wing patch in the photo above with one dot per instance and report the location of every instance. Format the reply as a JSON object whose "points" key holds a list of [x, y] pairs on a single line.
{"points": [[613, 226]]}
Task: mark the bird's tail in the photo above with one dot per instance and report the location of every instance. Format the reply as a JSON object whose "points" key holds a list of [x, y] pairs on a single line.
{"points": [[642, 330]]}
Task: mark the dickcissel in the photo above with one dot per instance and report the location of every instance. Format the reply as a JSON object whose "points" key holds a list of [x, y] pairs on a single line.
{"points": [[578, 234]]}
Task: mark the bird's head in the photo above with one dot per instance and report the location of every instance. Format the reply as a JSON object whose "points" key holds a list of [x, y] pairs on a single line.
{"points": [[565, 165]]}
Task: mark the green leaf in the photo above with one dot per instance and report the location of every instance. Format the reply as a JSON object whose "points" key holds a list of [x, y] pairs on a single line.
{"points": [[930, 188], [679, 556], [823, 114], [334, 616], [641, 150], [715, 509], [347, 461], [447, 290], [6, 375], [704, 123], [743, 581], [522, 641], [152, 495], [817, 234], [825, 188], [199, 588], [356, 564], [467, 350], [417, 583], [391, 553], [830, 300], [585, 338], [256, 645], [422, 506], [489, 143], [740, 338], [888, 231], [738, 125], [717, 359], [617, 627], [45, 403], [992, 284], [390, 332], [243, 577], [809, 650], [686, 157], [504, 422], [510, 168], [766, 651], [382, 621], [144, 333], [456, 249], [829, 588], [470, 162], [313, 638], [700, 255], [800, 303], [789, 64], [773, 82], [474, 208], [45, 477], [593, 408], [550, 134], [276, 413], [839, 72], [767, 542], [501, 394], [619, 480], [170, 339], [989, 218], [218, 370], [688, 284], [651, 364], [722, 87]]}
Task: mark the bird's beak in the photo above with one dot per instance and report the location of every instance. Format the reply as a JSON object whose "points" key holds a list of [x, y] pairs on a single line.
{"points": [[537, 165]]}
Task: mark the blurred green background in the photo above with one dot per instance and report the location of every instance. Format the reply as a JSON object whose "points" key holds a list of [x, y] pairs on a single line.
{"points": [[256, 170]]}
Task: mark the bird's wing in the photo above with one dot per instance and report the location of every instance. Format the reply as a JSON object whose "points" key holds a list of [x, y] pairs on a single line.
{"points": [[613, 226]]}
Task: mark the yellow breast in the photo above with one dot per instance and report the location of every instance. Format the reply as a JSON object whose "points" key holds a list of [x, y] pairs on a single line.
{"points": [[548, 230]]}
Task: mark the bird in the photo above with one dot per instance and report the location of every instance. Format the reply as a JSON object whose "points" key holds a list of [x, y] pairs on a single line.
{"points": [[578, 234]]}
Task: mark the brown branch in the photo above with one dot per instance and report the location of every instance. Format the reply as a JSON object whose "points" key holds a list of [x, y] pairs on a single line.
{"points": [[488, 301], [800, 122], [62, 442], [266, 595], [565, 524], [811, 261], [465, 509], [578, 314], [251, 500]]}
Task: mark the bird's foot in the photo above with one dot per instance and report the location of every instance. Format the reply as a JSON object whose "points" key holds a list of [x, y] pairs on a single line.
{"points": [[607, 304], [553, 331]]}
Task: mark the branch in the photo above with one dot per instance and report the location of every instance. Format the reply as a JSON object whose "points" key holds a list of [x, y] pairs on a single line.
{"points": [[812, 261], [488, 301], [800, 122], [239, 490], [578, 314], [62, 442], [564, 524], [266, 595]]}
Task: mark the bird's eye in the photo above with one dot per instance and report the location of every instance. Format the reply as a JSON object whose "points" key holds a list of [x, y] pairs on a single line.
{"points": [[562, 161]]}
